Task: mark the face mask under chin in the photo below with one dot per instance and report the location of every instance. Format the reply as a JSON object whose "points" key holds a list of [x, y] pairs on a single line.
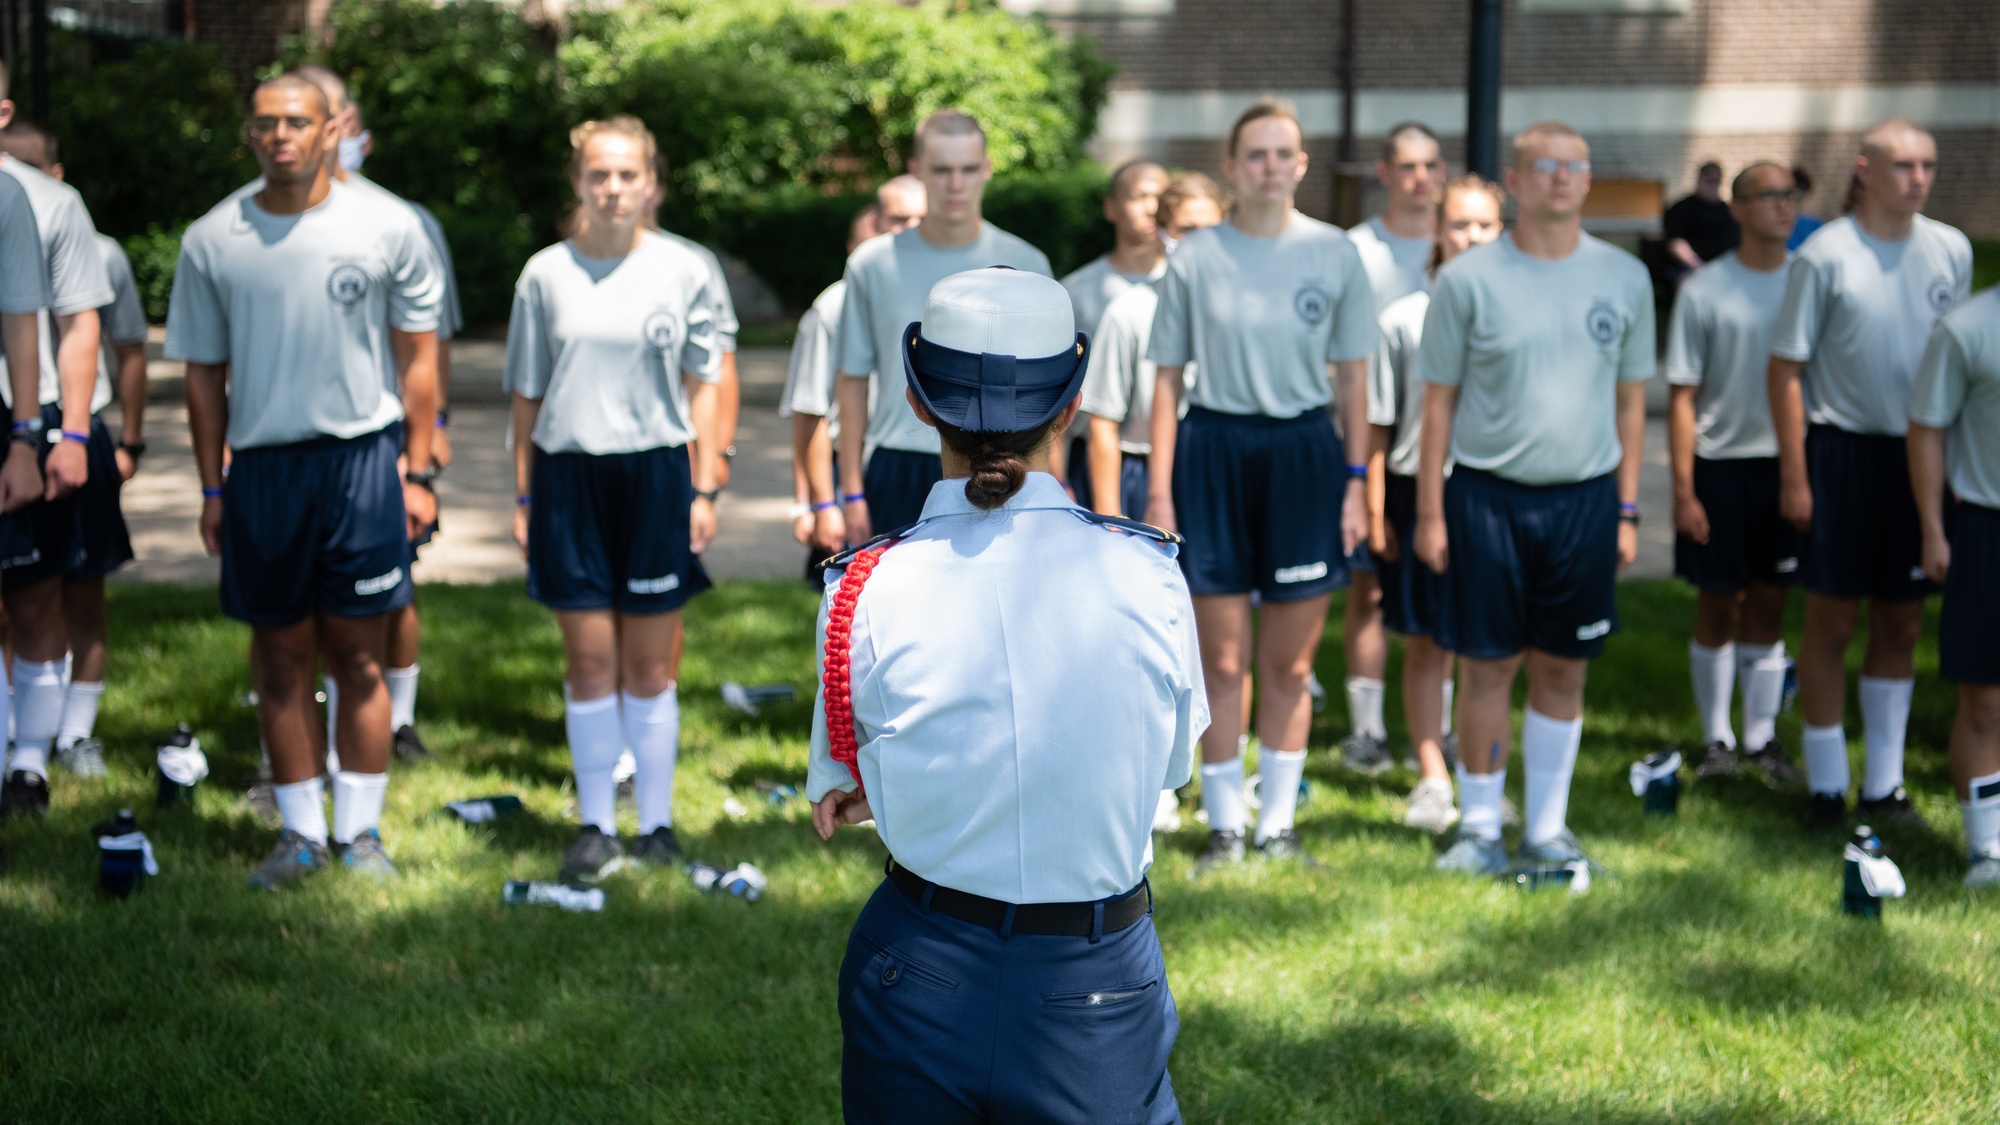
{"points": [[353, 150]]}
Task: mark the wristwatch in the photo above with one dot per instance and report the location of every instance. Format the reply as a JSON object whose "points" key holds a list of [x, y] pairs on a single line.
{"points": [[423, 478], [28, 432], [133, 449], [709, 495]]}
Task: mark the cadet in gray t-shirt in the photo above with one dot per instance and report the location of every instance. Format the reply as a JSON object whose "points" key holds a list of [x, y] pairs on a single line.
{"points": [[1957, 389], [1396, 266], [79, 283], [1094, 285]]}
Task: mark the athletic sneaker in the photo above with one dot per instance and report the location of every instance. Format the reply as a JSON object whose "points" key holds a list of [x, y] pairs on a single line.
{"points": [[24, 794], [1984, 874], [1285, 845], [1892, 811], [408, 746], [1555, 851], [659, 847], [365, 856], [592, 857], [1775, 765], [294, 858], [1432, 807], [1718, 759], [1473, 854], [84, 758], [1223, 848], [1825, 812], [1365, 754]]}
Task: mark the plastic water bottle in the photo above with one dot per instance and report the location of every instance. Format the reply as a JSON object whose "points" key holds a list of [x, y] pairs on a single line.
{"points": [[482, 810], [1869, 875], [1656, 781], [181, 765], [562, 896], [124, 856], [745, 882], [704, 876], [749, 699], [1575, 876]]}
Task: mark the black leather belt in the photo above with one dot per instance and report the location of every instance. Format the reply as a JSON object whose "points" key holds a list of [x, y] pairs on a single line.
{"points": [[1056, 919]]}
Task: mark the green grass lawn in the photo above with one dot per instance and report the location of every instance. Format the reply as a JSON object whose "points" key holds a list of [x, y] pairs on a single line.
{"points": [[1712, 978]]}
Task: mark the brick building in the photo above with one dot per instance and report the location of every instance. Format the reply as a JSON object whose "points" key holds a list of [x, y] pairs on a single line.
{"points": [[1658, 86]]}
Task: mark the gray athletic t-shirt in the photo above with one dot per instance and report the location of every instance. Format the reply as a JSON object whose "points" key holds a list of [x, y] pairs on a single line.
{"points": [[721, 307], [1396, 265], [1537, 350], [809, 381], [123, 321], [1264, 316], [78, 279], [300, 307], [603, 344], [888, 278], [1119, 382], [1093, 286], [24, 272], [1719, 340], [1396, 382], [1957, 389], [1858, 311], [451, 318]]}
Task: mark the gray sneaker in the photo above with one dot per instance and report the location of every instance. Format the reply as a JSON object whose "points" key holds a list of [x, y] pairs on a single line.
{"points": [[1553, 852], [1365, 754], [1285, 845], [660, 848], [84, 758], [1432, 807], [1225, 848], [1984, 874], [593, 856], [365, 856], [294, 858], [1472, 854]]}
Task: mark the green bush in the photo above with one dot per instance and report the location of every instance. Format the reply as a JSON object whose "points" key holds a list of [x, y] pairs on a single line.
{"points": [[154, 255]]}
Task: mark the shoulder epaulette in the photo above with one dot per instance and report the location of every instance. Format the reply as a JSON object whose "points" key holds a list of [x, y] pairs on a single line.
{"points": [[1135, 527], [882, 540]]}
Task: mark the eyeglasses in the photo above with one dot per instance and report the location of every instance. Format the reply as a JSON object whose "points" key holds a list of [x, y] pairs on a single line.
{"points": [[261, 127], [1547, 165], [1778, 195]]}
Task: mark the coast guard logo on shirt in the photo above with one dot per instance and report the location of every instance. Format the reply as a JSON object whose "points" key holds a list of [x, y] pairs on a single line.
{"points": [[661, 328], [1940, 293], [347, 285], [1602, 322], [1312, 303]]}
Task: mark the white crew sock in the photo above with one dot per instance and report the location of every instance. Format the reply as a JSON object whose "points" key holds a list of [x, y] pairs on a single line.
{"points": [[79, 713], [1448, 693], [1481, 801], [1885, 716], [1548, 753], [1826, 760], [1280, 771], [1713, 671], [1222, 794], [332, 690], [653, 731], [1364, 706], [302, 804], [1982, 816], [402, 696], [594, 742], [38, 705], [357, 803], [1760, 676]]}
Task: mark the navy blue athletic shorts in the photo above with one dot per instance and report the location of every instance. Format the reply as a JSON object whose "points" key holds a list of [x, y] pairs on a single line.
{"points": [[1079, 471], [897, 482], [1748, 541], [1532, 566], [610, 531], [315, 527], [81, 536], [1969, 620], [1258, 501], [947, 1022], [1865, 541], [1411, 591], [1131, 480]]}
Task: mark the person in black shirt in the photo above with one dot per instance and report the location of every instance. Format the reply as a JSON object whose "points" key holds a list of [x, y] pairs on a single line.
{"points": [[1700, 228]]}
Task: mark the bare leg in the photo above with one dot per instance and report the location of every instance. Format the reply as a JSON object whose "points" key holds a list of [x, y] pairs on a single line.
{"points": [[1425, 669], [1822, 659], [1287, 639], [1485, 727], [1975, 736], [1222, 624]]}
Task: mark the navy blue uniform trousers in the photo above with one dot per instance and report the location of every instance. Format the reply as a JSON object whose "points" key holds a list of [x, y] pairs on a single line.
{"points": [[944, 1021]]}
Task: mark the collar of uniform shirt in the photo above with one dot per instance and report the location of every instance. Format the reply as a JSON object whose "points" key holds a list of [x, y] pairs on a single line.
{"points": [[1040, 490]]}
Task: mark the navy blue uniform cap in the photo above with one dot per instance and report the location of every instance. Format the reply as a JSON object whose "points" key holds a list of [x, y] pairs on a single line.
{"points": [[996, 352]]}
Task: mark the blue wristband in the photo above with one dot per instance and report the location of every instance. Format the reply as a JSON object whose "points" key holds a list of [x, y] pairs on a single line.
{"points": [[1625, 509], [826, 505], [24, 427], [211, 494], [72, 435], [521, 501], [1357, 470], [854, 498]]}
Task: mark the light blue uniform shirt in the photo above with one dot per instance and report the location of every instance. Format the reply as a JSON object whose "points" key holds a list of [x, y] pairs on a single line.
{"points": [[1024, 683]]}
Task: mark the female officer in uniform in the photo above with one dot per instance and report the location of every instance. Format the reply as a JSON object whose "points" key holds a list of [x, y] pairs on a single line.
{"points": [[1268, 304], [1007, 968], [613, 359]]}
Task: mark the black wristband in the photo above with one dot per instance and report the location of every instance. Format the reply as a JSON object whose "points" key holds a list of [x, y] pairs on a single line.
{"points": [[709, 495], [134, 449], [426, 478]]}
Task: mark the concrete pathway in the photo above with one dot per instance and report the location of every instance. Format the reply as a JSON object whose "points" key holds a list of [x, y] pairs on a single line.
{"points": [[477, 496]]}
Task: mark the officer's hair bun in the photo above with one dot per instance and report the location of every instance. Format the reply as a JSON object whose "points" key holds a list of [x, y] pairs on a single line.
{"points": [[999, 461]]}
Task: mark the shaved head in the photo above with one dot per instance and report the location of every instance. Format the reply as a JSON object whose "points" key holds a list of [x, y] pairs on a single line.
{"points": [[329, 83], [315, 94], [1878, 143]]}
